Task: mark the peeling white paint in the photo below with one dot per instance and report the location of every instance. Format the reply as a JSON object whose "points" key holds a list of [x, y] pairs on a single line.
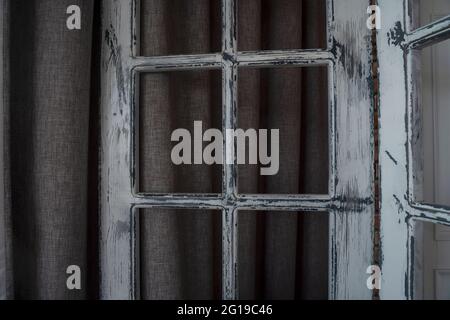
{"points": [[397, 124], [350, 199]]}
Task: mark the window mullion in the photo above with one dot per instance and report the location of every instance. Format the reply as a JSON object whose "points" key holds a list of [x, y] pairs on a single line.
{"points": [[117, 264], [229, 91]]}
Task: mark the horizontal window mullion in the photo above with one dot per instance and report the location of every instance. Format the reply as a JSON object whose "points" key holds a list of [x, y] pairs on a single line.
{"points": [[194, 201], [434, 32], [179, 62], [242, 202], [281, 57], [215, 60], [284, 202], [431, 213]]}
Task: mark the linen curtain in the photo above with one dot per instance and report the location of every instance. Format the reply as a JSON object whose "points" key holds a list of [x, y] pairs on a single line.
{"points": [[49, 217]]}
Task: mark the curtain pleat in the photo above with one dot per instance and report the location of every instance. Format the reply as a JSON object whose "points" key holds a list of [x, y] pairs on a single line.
{"points": [[312, 254], [249, 116], [6, 266], [179, 262], [283, 108], [49, 116]]}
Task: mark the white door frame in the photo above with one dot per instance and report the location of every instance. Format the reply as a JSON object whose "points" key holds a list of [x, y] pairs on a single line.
{"points": [[399, 118]]}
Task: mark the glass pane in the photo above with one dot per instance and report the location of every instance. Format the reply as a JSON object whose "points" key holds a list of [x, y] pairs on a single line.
{"points": [[171, 27], [176, 110], [291, 103], [426, 11], [431, 261], [283, 255], [281, 24], [431, 76], [180, 254]]}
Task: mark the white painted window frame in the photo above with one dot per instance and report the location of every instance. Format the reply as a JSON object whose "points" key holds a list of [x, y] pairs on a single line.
{"points": [[350, 201], [399, 119]]}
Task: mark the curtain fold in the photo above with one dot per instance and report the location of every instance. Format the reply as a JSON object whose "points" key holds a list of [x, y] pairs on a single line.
{"points": [[312, 255], [6, 269], [179, 263], [283, 112], [49, 118], [50, 132], [250, 253]]}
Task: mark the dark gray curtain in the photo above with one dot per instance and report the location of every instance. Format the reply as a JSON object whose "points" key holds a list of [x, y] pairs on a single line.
{"points": [[5, 210], [49, 135], [50, 152]]}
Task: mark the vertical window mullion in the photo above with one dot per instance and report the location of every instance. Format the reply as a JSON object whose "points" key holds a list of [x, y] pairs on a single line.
{"points": [[351, 145], [117, 263], [229, 89]]}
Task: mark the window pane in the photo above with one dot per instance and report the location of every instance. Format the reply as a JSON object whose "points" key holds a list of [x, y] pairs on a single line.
{"points": [[283, 255], [171, 27], [431, 261], [180, 254], [431, 76], [426, 11], [294, 101], [171, 105], [281, 24]]}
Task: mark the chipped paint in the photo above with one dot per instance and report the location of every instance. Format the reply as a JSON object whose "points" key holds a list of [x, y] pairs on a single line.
{"points": [[400, 134], [396, 35], [115, 60], [391, 157], [350, 201], [427, 35]]}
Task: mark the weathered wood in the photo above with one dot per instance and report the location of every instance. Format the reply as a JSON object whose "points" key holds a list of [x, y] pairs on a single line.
{"points": [[350, 198], [434, 32], [398, 104], [229, 179], [351, 149], [285, 57], [395, 225], [116, 227], [167, 63]]}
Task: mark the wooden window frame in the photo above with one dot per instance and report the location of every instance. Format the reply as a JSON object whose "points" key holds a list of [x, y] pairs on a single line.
{"points": [[350, 202], [399, 121]]}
